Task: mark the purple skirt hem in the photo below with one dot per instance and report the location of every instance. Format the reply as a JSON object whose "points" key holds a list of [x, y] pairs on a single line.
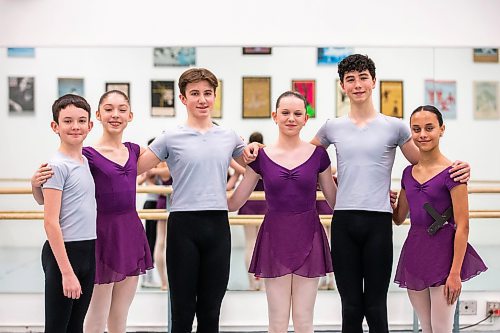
{"points": [[403, 284]]}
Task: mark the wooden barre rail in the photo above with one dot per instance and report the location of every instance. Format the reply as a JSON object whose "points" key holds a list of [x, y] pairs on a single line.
{"points": [[256, 195], [155, 214]]}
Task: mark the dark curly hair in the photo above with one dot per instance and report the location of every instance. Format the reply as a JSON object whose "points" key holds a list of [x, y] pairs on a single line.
{"points": [[356, 62]]}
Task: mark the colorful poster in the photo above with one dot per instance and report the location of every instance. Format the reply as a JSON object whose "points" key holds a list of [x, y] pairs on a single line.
{"points": [[308, 89], [391, 98], [443, 95]]}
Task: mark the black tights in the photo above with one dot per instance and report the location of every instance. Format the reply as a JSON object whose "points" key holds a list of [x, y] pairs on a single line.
{"points": [[198, 254], [63, 314], [362, 263], [151, 228]]}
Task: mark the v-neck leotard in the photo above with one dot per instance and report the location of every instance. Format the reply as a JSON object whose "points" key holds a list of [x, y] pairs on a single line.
{"points": [[291, 238], [425, 260], [121, 248]]}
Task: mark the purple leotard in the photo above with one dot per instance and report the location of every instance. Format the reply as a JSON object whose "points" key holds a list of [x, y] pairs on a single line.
{"points": [[161, 203], [254, 207], [425, 260], [121, 248], [291, 239]]}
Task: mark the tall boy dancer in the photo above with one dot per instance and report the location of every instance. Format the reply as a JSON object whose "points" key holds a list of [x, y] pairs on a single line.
{"points": [[198, 238], [365, 142], [68, 257]]}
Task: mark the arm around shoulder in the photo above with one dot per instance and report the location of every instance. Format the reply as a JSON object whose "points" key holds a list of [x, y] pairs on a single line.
{"points": [[317, 142], [410, 151], [39, 178], [147, 160]]}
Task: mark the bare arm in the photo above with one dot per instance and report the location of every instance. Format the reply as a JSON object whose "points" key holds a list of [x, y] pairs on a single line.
{"points": [[243, 191], [141, 179], [460, 203], [160, 170], [401, 210], [39, 178], [237, 166], [317, 142], [71, 285], [147, 160], [411, 152], [238, 171], [328, 186], [231, 182]]}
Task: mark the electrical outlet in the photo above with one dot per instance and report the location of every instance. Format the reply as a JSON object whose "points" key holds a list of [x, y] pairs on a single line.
{"points": [[468, 308], [494, 307]]}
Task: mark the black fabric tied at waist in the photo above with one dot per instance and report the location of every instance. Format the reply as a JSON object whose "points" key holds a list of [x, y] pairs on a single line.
{"points": [[439, 219]]}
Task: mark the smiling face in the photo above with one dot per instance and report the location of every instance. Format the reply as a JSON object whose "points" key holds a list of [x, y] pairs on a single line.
{"points": [[114, 113], [425, 130], [199, 99], [358, 86], [290, 115], [73, 125]]}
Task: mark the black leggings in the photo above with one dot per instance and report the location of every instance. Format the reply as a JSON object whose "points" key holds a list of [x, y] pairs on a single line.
{"points": [[63, 314], [362, 263], [198, 254], [151, 228]]}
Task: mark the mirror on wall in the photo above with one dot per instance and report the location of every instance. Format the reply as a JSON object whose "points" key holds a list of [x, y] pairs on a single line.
{"points": [[460, 82]]}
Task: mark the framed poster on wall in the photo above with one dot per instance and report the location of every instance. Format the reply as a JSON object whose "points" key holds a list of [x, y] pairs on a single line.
{"points": [[308, 89], [443, 95], [174, 56], [391, 98], [257, 50], [333, 55], [70, 86], [217, 110], [162, 99], [21, 95], [124, 87], [485, 55], [486, 100], [343, 105], [256, 97]]}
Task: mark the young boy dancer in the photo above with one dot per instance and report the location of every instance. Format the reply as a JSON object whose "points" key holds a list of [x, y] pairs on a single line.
{"points": [[70, 221]]}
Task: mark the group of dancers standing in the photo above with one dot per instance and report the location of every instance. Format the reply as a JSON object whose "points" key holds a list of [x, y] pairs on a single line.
{"points": [[292, 251]]}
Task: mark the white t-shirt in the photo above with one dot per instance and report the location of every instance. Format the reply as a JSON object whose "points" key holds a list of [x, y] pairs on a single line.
{"points": [[78, 206], [198, 164], [365, 156]]}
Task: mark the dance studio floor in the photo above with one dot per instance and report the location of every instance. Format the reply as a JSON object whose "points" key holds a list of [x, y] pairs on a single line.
{"points": [[21, 271]]}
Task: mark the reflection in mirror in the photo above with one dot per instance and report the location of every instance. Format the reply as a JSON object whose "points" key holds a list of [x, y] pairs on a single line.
{"points": [[446, 76]]}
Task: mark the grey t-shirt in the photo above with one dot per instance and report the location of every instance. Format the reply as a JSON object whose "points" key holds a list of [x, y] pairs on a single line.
{"points": [[78, 206], [365, 157], [198, 164]]}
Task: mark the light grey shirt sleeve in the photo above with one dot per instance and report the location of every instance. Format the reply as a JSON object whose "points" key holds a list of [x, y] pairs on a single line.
{"points": [[322, 134], [160, 147], [56, 182]]}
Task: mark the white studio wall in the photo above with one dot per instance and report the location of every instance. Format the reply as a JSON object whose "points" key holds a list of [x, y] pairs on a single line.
{"points": [[226, 23], [29, 140]]}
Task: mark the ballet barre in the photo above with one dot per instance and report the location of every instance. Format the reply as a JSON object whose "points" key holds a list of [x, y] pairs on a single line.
{"points": [[256, 195], [245, 220]]}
